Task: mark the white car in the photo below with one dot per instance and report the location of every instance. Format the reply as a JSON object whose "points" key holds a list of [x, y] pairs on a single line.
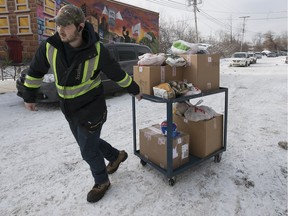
{"points": [[240, 59]]}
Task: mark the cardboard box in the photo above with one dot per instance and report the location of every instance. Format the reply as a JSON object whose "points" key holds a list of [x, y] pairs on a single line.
{"points": [[203, 71], [206, 136], [149, 76], [153, 146]]}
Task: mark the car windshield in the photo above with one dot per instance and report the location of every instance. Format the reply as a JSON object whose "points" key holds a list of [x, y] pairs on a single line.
{"points": [[239, 55]]}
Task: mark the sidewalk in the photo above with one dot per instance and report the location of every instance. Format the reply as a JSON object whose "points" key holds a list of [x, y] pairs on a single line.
{"points": [[7, 86]]}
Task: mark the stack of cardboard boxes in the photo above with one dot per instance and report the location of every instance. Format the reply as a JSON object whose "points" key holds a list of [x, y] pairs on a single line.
{"points": [[153, 146], [205, 137], [201, 70]]}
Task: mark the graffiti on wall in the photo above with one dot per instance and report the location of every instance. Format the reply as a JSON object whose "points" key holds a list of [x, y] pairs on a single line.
{"points": [[122, 23], [114, 21]]}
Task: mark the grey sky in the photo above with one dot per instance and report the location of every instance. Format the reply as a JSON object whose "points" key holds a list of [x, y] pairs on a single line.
{"points": [[215, 15]]}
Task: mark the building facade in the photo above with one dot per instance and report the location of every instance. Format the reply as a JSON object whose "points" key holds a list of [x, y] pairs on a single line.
{"points": [[24, 23]]}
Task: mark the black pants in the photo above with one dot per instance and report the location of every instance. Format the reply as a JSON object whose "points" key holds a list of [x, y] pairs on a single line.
{"points": [[94, 150]]}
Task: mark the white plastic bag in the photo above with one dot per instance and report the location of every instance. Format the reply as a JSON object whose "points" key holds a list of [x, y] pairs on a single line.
{"points": [[151, 59], [183, 47], [175, 61], [198, 113], [180, 108]]}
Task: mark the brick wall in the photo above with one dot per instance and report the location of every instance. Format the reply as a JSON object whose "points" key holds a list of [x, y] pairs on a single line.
{"points": [[29, 42]]}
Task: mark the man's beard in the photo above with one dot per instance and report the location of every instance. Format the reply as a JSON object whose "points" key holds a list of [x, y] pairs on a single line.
{"points": [[71, 38]]}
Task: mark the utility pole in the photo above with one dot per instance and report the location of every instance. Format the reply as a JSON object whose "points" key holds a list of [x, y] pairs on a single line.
{"points": [[231, 30], [195, 15], [243, 31]]}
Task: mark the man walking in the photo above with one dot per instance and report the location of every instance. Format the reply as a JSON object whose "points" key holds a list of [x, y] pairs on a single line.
{"points": [[76, 56]]}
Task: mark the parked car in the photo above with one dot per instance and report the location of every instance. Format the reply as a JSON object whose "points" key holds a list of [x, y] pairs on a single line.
{"points": [[253, 58], [125, 53], [272, 54], [283, 53], [258, 55], [240, 59], [265, 52]]}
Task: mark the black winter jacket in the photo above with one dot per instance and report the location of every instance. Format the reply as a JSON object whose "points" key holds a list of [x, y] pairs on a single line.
{"points": [[92, 104]]}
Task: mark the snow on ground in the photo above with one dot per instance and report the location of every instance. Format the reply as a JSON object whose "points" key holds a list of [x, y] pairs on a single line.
{"points": [[42, 173]]}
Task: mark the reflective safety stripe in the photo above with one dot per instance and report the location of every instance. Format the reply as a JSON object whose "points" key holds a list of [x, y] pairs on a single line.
{"points": [[69, 92], [32, 82], [91, 66], [87, 84], [125, 82], [51, 54]]}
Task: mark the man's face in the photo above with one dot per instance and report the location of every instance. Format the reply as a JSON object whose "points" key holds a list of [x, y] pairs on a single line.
{"points": [[69, 33]]}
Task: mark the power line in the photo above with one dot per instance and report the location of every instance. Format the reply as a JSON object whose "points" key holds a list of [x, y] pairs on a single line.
{"points": [[251, 13], [217, 21], [170, 4], [268, 18], [222, 22]]}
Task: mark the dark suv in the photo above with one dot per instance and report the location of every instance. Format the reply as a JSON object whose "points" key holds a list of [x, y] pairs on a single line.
{"points": [[125, 53]]}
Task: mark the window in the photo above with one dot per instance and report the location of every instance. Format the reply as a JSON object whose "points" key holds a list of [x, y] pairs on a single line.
{"points": [[126, 53], [21, 5], [23, 23], [49, 27], [3, 6], [4, 25], [49, 7], [142, 50]]}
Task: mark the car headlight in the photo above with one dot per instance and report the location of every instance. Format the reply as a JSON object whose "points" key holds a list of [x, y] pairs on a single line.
{"points": [[48, 78]]}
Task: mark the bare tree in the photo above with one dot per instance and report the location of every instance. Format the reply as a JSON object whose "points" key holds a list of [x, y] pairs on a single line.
{"points": [[281, 42], [269, 41], [171, 32], [257, 42], [222, 42]]}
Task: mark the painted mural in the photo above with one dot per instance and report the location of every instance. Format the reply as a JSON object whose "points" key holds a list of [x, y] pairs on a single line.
{"points": [[25, 22], [122, 23]]}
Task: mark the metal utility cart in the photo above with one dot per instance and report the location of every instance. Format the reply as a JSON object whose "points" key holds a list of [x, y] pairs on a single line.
{"points": [[193, 161]]}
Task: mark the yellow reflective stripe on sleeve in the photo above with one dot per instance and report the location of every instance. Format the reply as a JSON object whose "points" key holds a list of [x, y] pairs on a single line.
{"points": [[67, 92], [32, 82], [125, 82]]}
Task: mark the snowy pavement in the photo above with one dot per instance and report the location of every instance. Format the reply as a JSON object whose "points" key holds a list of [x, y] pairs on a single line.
{"points": [[42, 172], [7, 86]]}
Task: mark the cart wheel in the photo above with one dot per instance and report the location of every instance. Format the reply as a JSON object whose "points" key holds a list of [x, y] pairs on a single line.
{"points": [[218, 158], [143, 162], [171, 181]]}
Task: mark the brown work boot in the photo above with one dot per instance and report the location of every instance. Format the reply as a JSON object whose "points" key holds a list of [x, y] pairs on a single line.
{"points": [[113, 166], [97, 192]]}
